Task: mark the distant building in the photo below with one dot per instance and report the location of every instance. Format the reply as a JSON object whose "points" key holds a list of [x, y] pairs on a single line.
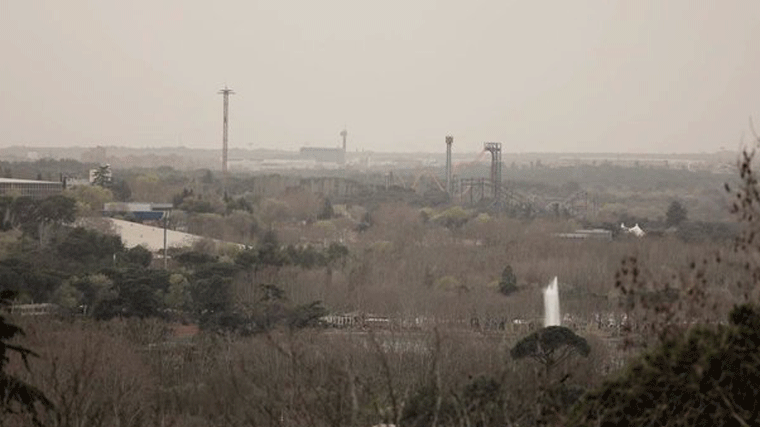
{"points": [[356, 319], [152, 238], [324, 155], [30, 188], [45, 309], [141, 211], [635, 230], [75, 182], [596, 233]]}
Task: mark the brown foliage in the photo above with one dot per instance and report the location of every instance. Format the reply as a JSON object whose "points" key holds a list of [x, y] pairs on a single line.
{"points": [[93, 378]]}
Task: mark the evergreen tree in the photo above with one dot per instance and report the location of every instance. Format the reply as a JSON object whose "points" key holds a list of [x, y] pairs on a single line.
{"points": [[508, 282], [327, 211], [550, 346], [102, 176], [17, 396], [675, 215], [706, 377]]}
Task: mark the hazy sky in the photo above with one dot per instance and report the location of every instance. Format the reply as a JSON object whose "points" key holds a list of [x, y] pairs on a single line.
{"points": [[580, 75]]}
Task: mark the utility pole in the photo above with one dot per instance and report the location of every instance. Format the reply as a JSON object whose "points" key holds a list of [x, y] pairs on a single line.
{"points": [[226, 92], [449, 183], [166, 213]]}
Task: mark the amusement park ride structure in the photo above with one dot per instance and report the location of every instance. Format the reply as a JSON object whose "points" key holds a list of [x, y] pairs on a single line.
{"points": [[491, 193]]}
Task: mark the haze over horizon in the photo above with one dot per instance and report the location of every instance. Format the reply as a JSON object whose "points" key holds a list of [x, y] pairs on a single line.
{"points": [[583, 76]]}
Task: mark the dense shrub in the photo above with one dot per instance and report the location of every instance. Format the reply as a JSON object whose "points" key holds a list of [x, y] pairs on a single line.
{"points": [[708, 377]]}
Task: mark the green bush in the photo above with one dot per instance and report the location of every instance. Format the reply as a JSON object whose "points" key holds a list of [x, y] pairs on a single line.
{"points": [[707, 377], [508, 282]]}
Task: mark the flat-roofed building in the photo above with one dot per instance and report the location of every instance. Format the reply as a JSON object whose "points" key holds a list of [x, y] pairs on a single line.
{"points": [[141, 211], [30, 188], [325, 155], [596, 233], [45, 309]]}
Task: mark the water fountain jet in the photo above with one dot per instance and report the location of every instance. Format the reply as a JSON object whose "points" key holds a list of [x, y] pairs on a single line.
{"points": [[551, 304]]}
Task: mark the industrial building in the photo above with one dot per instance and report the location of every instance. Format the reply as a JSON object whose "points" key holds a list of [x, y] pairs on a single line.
{"points": [[141, 211], [327, 155], [29, 188], [324, 155]]}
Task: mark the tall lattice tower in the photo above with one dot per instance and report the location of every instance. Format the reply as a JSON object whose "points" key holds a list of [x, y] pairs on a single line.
{"points": [[495, 149], [226, 92]]}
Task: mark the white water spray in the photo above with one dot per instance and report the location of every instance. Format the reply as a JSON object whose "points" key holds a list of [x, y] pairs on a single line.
{"points": [[551, 304]]}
